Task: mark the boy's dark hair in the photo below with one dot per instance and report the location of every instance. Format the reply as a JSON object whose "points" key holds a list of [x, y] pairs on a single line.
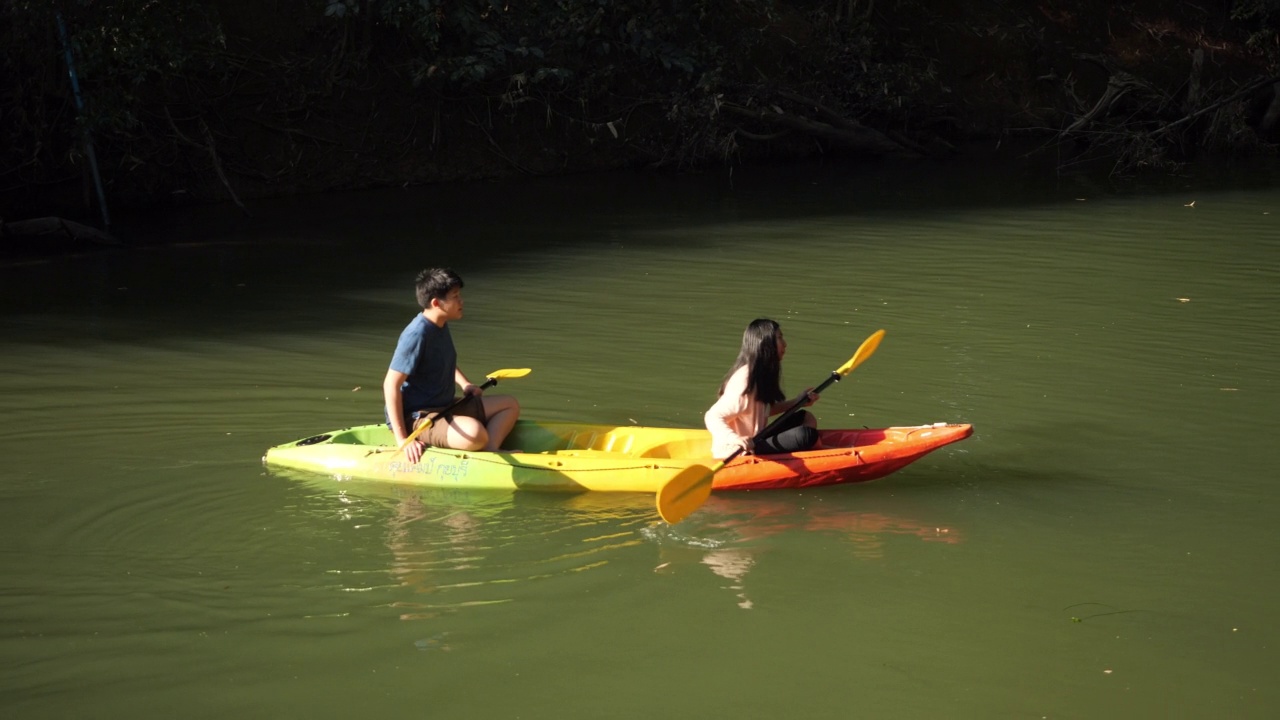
{"points": [[436, 283]]}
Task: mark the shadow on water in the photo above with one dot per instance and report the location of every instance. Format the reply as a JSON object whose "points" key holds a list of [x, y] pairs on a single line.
{"points": [[208, 270]]}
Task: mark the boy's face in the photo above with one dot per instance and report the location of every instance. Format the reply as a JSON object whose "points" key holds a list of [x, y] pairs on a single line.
{"points": [[451, 304]]}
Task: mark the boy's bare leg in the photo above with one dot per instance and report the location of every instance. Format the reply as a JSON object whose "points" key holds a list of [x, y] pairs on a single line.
{"points": [[466, 433], [502, 411]]}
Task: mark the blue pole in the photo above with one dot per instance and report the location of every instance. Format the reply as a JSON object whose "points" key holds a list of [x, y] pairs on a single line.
{"points": [[88, 143]]}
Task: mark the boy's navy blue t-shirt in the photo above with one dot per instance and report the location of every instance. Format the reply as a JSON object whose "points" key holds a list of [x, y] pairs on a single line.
{"points": [[426, 354]]}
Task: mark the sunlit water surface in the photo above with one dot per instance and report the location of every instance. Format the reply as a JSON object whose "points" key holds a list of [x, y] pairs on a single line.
{"points": [[1104, 546]]}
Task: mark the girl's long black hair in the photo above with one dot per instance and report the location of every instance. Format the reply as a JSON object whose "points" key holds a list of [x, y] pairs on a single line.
{"points": [[760, 354]]}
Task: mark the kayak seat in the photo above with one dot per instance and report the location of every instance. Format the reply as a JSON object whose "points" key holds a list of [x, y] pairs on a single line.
{"points": [[579, 452], [635, 441], [366, 435], [685, 448], [612, 441], [581, 440]]}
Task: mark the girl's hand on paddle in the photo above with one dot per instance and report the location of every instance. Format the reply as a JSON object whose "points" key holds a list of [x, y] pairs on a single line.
{"points": [[809, 397], [472, 390]]}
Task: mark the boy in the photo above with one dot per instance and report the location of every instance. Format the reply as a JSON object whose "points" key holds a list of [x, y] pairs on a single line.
{"points": [[424, 370]]}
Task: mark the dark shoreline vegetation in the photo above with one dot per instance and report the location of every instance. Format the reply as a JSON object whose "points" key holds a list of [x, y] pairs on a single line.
{"points": [[194, 101]]}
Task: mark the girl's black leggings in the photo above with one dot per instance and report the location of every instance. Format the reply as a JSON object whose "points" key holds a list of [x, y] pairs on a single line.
{"points": [[791, 436]]}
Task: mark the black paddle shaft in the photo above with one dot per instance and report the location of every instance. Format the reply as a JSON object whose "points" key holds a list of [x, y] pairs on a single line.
{"points": [[835, 377], [454, 405]]}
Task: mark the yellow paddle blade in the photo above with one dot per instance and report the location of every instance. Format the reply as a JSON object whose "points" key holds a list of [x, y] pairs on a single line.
{"points": [[686, 492], [508, 373], [865, 350]]}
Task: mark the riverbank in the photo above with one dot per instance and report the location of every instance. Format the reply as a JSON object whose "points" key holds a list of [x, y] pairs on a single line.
{"points": [[293, 102]]}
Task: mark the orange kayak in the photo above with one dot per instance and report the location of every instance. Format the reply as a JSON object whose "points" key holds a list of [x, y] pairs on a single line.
{"points": [[846, 456]]}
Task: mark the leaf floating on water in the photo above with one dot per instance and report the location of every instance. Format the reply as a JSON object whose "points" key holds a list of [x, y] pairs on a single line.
{"points": [[354, 389], [435, 642], [1229, 389], [1183, 299], [1190, 204]]}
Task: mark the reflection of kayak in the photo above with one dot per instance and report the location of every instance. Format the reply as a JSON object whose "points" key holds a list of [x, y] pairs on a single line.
{"points": [[754, 517], [574, 456]]}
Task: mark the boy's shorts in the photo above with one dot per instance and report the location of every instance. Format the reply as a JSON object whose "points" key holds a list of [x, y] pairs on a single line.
{"points": [[472, 407]]}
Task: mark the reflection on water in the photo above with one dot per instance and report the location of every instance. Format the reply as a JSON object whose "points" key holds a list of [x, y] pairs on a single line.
{"points": [[732, 564], [452, 549], [866, 532], [416, 564], [731, 533]]}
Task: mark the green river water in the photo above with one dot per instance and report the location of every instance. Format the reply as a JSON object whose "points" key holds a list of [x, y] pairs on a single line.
{"points": [[1103, 546]]}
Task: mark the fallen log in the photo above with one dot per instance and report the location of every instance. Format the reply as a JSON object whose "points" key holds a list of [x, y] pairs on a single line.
{"points": [[1243, 92], [51, 235], [851, 135]]}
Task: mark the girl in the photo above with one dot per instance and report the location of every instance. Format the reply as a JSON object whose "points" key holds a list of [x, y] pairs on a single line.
{"points": [[752, 392]]}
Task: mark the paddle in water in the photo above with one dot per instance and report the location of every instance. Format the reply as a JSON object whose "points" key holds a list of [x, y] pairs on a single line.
{"points": [[686, 492], [494, 377]]}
